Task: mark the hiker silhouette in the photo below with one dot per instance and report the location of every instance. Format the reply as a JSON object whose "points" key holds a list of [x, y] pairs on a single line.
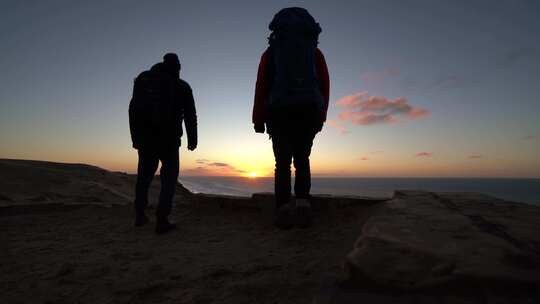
{"points": [[161, 100], [291, 100]]}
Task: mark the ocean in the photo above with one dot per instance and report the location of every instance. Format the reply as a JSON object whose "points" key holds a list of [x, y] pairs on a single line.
{"points": [[518, 190]]}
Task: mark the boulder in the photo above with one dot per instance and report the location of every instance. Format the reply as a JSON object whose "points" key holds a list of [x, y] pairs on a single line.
{"points": [[422, 240]]}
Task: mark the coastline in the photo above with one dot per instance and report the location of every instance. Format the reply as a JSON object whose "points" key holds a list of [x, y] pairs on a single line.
{"points": [[519, 189]]}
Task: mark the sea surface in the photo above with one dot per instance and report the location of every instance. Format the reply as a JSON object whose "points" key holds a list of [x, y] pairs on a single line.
{"points": [[518, 190]]}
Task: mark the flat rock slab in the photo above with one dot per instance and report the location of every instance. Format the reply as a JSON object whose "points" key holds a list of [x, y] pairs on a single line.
{"points": [[422, 240]]}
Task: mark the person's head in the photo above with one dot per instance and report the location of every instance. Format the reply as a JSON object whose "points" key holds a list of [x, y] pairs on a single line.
{"points": [[171, 63]]}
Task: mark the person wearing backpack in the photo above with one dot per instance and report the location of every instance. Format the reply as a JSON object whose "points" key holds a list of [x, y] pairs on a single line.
{"points": [[160, 102], [291, 99]]}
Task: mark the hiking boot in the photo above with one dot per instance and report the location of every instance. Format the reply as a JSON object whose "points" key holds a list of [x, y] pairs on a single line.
{"points": [[303, 213], [284, 217], [141, 220], [163, 226]]}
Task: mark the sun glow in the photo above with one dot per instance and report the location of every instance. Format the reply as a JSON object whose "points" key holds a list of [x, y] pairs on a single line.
{"points": [[252, 174]]}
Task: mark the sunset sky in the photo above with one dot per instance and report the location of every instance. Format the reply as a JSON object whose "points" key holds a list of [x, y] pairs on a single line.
{"points": [[418, 88]]}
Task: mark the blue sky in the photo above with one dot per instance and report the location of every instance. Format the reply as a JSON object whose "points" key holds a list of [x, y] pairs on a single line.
{"points": [[472, 66]]}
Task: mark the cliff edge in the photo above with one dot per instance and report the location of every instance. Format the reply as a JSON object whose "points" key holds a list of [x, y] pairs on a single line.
{"points": [[69, 237]]}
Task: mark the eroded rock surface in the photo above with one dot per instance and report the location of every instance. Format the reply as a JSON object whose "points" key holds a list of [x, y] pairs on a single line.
{"points": [[419, 241]]}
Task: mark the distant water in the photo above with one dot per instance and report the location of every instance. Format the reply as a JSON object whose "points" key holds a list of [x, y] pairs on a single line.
{"points": [[519, 190]]}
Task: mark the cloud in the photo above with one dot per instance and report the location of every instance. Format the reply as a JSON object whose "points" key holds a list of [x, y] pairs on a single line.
{"points": [[364, 158], [337, 125], [198, 171], [518, 54], [364, 109], [528, 137], [206, 167], [424, 154], [475, 156], [352, 100]]}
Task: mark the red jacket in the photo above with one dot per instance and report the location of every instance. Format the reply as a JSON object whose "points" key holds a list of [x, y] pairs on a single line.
{"points": [[264, 84]]}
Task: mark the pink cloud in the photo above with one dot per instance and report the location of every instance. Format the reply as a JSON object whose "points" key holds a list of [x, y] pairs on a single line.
{"points": [[336, 124], [352, 100], [418, 113], [364, 158], [364, 109], [424, 154]]}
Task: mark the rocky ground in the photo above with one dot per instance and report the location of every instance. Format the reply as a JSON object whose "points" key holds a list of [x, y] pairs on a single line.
{"points": [[67, 237]]}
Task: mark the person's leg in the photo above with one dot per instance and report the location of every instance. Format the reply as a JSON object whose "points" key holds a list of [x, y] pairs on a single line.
{"points": [[169, 179], [302, 183], [281, 146], [301, 152], [283, 154], [146, 168]]}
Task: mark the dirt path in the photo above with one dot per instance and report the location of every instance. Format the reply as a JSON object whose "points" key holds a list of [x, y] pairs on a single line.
{"points": [[91, 254]]}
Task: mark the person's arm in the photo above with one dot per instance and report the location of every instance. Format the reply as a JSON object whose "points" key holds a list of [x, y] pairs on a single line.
{"points": [[134, 127], [262, 89], [324, 80], [190, 119]]}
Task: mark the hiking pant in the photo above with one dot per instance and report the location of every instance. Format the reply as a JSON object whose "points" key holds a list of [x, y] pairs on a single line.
{"points": [[295, 146], [148, 163]]}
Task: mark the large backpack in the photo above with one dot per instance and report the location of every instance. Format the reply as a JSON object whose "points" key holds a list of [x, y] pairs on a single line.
{"points": [[293, 44], [152, 102]]}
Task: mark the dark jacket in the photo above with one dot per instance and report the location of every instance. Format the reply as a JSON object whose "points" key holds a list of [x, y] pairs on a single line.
{"points": [[181, 108]]}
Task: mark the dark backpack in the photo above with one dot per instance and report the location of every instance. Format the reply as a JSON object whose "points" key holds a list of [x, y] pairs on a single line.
{"points": [[293, 44], [151, 105]]}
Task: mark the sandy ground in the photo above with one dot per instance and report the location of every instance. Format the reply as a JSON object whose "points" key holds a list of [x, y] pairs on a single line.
{"points": [[92, 254]]}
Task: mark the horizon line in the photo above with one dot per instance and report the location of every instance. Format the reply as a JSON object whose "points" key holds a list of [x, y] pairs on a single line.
{"points": [[271, 176]]}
